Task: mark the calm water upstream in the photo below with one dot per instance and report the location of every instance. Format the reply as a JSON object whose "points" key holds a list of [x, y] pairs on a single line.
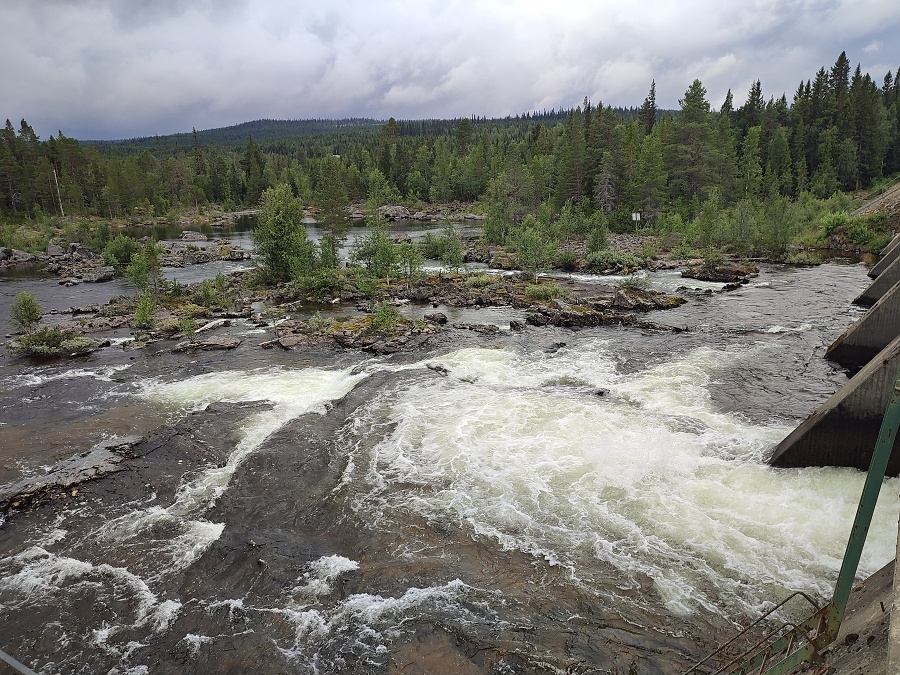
{"points": [[376, 516]]}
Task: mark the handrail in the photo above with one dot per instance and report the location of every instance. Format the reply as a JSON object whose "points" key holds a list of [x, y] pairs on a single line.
{"points": [[25, 670], [753, 625]]}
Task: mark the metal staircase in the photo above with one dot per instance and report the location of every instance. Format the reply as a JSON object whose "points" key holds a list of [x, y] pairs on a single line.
{"points": [[789, 645]]}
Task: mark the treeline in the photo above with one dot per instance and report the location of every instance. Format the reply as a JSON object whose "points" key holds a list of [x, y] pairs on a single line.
{"points": [[840, 131]]}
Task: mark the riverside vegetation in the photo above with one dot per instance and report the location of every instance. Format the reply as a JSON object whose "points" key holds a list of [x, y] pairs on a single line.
{"points": [[766, 180]]}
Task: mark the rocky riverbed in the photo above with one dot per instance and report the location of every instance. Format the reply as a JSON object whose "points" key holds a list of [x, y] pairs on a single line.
{"points": [[490, 497]]}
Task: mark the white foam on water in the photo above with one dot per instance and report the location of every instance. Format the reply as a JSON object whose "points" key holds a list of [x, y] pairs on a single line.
{"points": [[650, 479], [193, 642], [173, 541], [38, 376], [802, 328], [292, 393], [322, 573], [366, 623], [38, 577]]}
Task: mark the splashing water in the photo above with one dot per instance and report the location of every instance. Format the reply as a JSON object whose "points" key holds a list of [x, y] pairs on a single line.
{"points": [[648, 478]]}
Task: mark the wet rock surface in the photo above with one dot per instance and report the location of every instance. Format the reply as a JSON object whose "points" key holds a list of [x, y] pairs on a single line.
{"points": [[154, 462]]}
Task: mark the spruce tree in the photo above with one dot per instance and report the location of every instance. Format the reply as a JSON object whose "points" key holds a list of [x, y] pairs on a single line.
{"points": [[647, 114]]}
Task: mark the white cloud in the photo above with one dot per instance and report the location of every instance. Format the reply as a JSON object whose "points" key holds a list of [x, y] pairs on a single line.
{"points": [[872, 47]]}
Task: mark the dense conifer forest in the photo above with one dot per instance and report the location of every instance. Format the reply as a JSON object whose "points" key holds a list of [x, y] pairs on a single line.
{"points": [[748, 179]]}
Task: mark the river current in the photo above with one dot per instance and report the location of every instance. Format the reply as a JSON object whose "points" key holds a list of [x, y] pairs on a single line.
{"points": [[538, 501]]}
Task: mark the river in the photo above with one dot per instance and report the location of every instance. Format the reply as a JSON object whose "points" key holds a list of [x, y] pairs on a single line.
{"points": [[375, 515]]}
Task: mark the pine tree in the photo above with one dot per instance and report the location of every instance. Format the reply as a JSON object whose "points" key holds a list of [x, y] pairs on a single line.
{"points": [[651, 177], [571, 157], [690, 153], [605, 196], [727, 109], [280, 236]]}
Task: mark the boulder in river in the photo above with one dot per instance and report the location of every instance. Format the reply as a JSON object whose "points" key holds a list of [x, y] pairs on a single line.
{"points": [[729, 273], [105, 273], [209, 344], [393, 212], [191, 235]]}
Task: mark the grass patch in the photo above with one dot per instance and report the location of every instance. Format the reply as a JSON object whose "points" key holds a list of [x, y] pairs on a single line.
{"points": [[547, 291], [480, 280]]}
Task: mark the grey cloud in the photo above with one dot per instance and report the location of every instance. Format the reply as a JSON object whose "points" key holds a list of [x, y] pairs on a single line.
{"points": [[106, 69]]}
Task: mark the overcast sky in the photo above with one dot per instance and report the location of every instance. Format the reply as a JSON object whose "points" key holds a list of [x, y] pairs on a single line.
{"points": [[116, 69]]}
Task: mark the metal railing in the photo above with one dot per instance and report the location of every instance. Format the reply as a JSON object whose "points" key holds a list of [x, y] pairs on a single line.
{"points": [[10, 661]]}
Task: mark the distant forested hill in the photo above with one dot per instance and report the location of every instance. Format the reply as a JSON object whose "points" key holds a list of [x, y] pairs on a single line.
{"points": [[235, 137]]}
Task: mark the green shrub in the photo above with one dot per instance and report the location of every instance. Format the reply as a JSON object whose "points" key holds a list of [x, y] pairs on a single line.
{"points": [[804, 258], [684, 251], [649, 250], [324, 283], [713, 257], [173, 288], [25, 311], [143, 313], [221, 283], [52, 341], [859, 233], [567, 261], [138, 272], [831, 222], [187, 326], [119, 250], [597, 239], [192, 311], [432, 247], [547, 291], [809, 239], [318, 324], [377, 253], [447, 248], [206, 294], [453, 255], [606, 260], [385, 318], [634, 283], [169, 324], [878, 242]]}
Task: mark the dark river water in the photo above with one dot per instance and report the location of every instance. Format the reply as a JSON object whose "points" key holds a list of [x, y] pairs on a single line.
{"points": [[373, 515]]}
